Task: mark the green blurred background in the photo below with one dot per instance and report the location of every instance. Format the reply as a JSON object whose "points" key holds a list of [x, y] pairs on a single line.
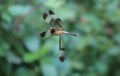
{"points": [[95, 52]]}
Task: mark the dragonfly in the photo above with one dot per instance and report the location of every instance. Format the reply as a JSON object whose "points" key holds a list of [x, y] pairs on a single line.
{"points": [[55, 29]]}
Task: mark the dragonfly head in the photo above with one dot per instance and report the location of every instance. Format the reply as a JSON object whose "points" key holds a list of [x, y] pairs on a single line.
{"points": [[52, 31]]}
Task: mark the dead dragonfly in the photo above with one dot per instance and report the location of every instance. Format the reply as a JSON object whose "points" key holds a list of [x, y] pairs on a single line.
{"points": [[55, 29]]}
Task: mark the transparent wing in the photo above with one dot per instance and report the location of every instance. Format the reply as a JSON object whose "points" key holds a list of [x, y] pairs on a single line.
{"points": [[62, 52], [48, 19], [45, 34], [55, 18]]}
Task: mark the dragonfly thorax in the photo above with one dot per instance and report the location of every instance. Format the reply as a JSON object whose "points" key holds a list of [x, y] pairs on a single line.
{"points": [[57, 31]]}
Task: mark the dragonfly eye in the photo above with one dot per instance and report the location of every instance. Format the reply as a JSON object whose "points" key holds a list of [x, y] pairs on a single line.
{"points": [[45, 16], [51, 12], [52, 30]]}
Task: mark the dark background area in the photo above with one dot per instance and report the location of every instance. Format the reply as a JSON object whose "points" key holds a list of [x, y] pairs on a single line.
{"points": [[95, 52]]}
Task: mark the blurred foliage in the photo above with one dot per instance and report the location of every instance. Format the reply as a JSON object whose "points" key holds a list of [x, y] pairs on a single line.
{"points": [[96, 51]]}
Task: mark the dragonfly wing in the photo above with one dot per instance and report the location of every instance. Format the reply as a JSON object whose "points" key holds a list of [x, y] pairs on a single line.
{"points": [[42, 34], [62, 53], [55, 18], [47, 18], [62, 56], [59, 22], [45, 34]]}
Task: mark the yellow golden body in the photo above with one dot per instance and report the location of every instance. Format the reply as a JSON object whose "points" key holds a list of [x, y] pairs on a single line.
{"points": [[59, 32]]}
